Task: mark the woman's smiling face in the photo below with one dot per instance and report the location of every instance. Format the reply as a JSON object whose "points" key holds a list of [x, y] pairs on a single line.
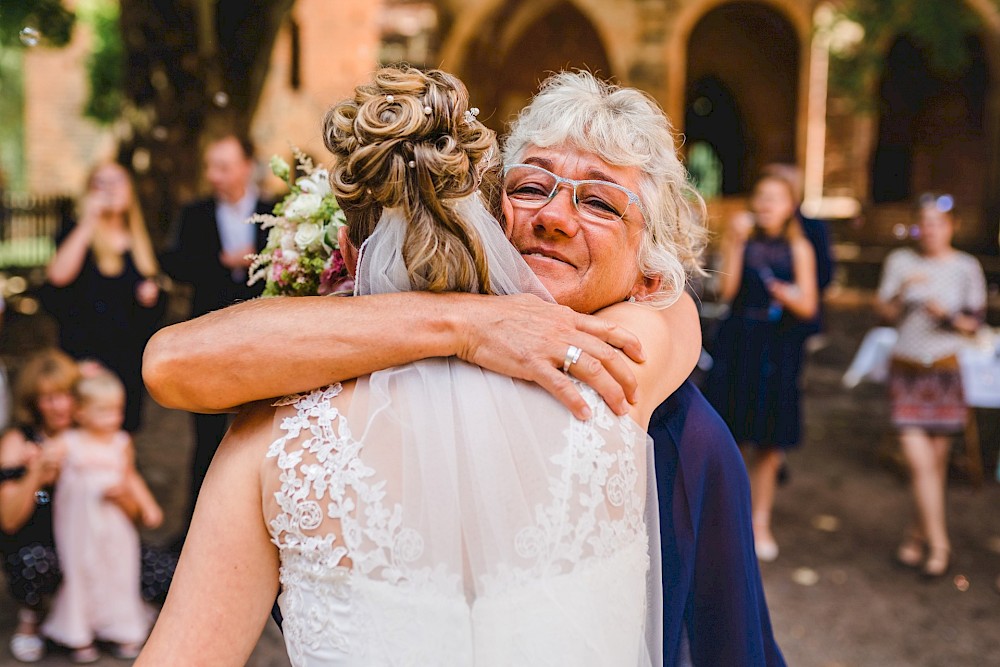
{"points": [[584, 264]]}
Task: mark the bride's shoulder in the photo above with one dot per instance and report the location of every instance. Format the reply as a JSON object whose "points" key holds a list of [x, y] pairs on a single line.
{"points": [[251, 429]]}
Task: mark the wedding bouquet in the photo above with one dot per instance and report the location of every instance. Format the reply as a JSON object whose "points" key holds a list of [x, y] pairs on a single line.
{"points": [[302, 256]]}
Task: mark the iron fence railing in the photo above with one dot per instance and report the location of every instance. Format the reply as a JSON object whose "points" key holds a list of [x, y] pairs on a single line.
{"points": [[29, 225]]}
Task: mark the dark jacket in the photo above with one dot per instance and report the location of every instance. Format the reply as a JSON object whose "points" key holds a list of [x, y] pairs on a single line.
{"points": [[194, 258]]}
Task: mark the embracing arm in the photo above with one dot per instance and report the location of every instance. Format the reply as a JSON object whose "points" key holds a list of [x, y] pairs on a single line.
{"points": [[227, 577], [271, 347]]}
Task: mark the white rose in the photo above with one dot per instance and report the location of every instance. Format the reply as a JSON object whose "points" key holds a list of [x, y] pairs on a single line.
{"points": [[304, 206], [287, 241], [308, 235], [317, 183]]}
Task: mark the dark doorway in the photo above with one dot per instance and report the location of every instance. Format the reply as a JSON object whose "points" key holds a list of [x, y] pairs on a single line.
{"points": [[507, 62], [931, 134], [742, 92]]}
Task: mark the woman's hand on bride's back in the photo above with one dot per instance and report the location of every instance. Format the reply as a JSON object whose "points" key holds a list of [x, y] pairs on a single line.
{"points": [[525, 337]]}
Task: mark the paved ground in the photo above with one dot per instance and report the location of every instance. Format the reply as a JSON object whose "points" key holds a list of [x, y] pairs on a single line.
{"points": [[836, 598]]}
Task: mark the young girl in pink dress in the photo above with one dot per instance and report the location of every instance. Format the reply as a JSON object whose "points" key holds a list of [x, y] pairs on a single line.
{"points": [[98, 545]]}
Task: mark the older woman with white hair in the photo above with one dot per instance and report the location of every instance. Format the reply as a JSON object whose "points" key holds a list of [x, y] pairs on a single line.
{"points": [[598, 205]]}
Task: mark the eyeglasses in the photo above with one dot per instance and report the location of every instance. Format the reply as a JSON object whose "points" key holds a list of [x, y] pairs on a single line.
{"points": [[530, 186]]}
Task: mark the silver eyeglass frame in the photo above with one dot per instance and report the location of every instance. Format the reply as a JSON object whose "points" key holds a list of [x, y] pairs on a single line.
{"points": [[633, 198]]}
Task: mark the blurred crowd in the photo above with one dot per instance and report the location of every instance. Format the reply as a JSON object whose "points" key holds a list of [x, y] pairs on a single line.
{"points": [[775, 264], [71, 496]]}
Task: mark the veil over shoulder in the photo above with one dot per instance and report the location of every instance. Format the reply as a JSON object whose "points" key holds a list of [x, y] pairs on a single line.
{"points": [[440, 514]]}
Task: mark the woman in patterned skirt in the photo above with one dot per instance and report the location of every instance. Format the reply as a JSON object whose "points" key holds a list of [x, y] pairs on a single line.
{"points": [[936, 297]]}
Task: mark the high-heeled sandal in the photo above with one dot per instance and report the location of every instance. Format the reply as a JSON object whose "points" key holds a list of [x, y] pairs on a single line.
{"points": [[937, 563], [911, 551]]}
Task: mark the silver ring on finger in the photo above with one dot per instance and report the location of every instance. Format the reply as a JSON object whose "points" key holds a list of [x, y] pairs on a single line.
{"points": [[572, 356]]}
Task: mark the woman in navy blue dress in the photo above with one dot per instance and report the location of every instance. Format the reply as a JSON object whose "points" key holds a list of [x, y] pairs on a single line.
{"points": [[769, 276]]}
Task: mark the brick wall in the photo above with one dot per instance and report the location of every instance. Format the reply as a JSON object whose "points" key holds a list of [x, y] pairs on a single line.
{"points": [[60, 144], [339, 42]]}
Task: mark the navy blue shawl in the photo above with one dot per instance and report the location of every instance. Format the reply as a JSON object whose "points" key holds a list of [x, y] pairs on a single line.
{"points": [[714, 607]]}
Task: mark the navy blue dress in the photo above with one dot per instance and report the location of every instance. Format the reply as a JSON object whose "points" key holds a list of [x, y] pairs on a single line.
{"points": [[714, 607], [754, 381]]}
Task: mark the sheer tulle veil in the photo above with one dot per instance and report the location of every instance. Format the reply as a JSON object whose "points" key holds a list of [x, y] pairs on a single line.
{"points": [[545, 524], [381, 268]]}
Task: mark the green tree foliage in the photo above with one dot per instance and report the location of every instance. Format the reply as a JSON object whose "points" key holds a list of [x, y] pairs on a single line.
{"points": [[106, 63], [53, 22], [44, 22], [940, 28]]}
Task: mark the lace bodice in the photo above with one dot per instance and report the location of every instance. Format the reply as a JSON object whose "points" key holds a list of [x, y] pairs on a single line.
{"points": [[516, 537]]}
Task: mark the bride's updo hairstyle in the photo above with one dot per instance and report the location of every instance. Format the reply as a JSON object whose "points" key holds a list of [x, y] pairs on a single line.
{"points": [[409, 140]]}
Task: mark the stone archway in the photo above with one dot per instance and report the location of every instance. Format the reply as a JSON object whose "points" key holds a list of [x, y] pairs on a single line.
{"points": [[742, 92], [933, 134], [521, 44]]}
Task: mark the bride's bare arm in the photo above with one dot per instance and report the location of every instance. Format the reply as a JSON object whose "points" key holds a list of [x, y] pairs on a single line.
{"points": [[272, 347], [227, 577]]}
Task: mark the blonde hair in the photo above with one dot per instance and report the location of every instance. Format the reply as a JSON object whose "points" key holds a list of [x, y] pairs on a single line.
{"points": [[624, 127], [98, 384], [50, 367], [142, 247], [405, 140]]}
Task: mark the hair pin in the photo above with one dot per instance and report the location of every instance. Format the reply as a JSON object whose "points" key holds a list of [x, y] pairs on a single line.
{"points": [[412, 164], [427, 111], [470, 115], [390, 99]]}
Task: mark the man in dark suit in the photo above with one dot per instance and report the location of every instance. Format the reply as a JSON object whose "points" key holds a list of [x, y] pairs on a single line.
{"points": [[211, 242]]}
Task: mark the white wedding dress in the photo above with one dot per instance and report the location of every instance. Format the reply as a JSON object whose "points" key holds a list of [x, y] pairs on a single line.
{"points": [[438, 514]]}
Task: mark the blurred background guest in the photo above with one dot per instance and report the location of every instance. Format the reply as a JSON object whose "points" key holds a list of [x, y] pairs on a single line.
{"points": [[816, 232], [100, 595], [31, 460], [29, 465], [935, 295], [209, 251], [768, 275], [101, 283]]}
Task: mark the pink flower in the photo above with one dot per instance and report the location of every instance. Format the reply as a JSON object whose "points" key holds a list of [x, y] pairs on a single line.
{"points": [[334, 275]]}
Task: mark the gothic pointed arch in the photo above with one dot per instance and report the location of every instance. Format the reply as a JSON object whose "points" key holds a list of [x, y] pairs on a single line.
{"points": [[743, 72], [518, 46]]}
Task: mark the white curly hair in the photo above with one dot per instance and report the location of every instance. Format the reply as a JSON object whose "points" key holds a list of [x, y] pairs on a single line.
{"points": [[624, 127]]}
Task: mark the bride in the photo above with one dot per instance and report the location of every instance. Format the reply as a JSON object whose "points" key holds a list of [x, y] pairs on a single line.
{"points": [[433, 513]]}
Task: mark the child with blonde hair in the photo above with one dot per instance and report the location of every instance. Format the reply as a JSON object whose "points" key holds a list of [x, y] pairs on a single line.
{"points": [[97, 543]]}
